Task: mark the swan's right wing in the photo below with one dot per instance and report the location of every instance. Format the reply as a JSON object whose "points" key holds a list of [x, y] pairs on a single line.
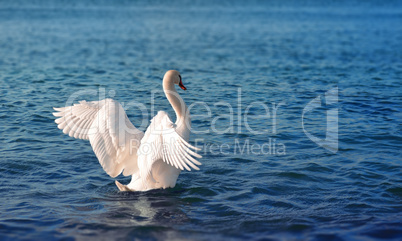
{"points": [[113, 137], [163, 142]]}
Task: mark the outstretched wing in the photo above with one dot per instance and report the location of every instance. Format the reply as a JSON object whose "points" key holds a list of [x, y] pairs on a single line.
{"points": [[162, 142], [105, 124]]}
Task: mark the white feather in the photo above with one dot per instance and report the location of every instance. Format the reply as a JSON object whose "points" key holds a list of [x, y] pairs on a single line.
{"points": [[97, 122]]}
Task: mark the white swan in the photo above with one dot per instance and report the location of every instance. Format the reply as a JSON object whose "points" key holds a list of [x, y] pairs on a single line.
{"points": [[154, 159]]}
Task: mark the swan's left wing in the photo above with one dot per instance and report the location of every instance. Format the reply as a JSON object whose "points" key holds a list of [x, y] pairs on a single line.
{"points": [[161, 141], [114, 139]]}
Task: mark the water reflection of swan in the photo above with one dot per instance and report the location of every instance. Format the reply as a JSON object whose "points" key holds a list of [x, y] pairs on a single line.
{"points": [[144, 210], [159, 155], [140, 211]]}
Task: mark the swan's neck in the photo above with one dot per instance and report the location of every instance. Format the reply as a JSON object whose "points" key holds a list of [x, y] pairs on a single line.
{"points": [[177, 102]]}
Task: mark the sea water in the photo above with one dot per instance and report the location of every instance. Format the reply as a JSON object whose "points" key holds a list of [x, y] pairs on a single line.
{"points": [[295, 104]]}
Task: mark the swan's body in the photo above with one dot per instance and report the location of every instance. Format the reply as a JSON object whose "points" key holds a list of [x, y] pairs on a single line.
{"points": [[154, 158]]}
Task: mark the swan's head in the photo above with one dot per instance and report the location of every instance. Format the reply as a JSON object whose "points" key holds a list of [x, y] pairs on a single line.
{"points": [[175, 77]]}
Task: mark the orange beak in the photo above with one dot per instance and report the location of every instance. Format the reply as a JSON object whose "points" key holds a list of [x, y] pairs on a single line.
{"points": [[181, 85]]}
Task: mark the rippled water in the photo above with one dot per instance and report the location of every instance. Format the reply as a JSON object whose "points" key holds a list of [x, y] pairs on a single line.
{"points": [[247, 55]]}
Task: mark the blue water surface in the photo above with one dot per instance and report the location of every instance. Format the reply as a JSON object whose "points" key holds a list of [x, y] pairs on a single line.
{"points": [[262, 176]]}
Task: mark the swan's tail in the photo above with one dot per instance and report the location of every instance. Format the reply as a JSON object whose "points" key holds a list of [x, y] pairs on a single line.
{"points": [[122, 187]]}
